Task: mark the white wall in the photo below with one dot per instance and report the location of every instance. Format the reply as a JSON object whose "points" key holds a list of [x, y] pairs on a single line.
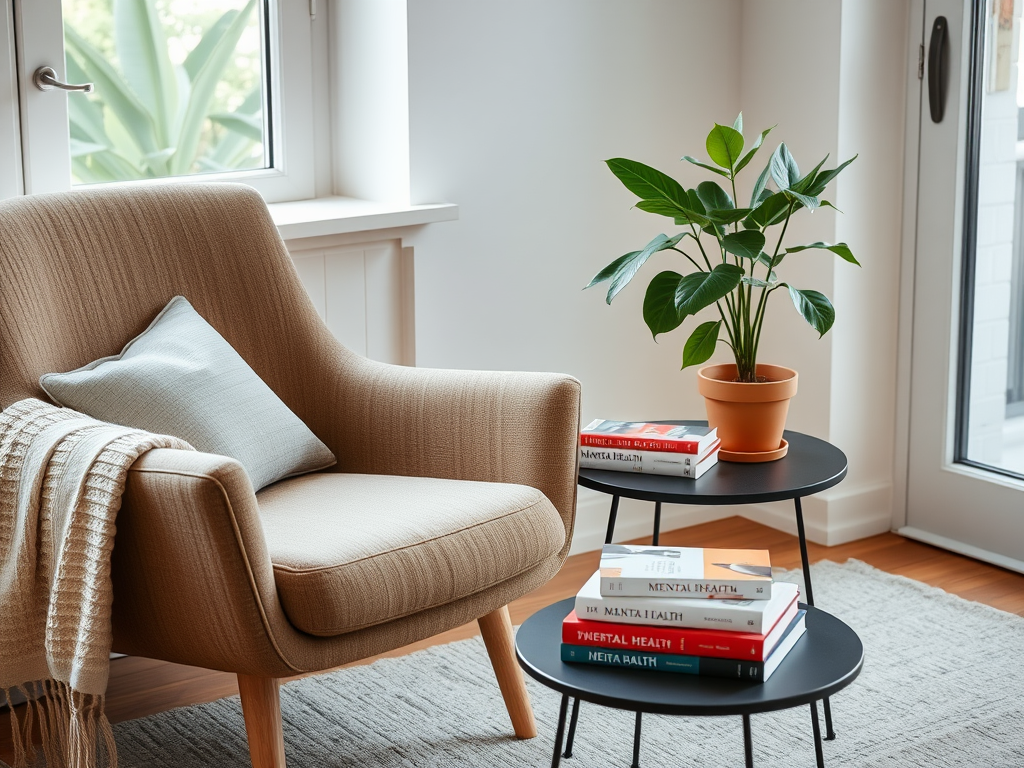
{"points": [[513, 108]]}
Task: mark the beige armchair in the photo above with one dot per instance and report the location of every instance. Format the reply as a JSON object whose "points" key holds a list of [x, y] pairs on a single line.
{"points": [[454, 491]]}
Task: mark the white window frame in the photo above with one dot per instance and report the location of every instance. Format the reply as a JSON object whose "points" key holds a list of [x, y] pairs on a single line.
{"points": [[44, 122]]}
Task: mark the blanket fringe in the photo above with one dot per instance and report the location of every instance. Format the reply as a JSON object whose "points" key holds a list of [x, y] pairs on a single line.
{"points": [[74, 730]]}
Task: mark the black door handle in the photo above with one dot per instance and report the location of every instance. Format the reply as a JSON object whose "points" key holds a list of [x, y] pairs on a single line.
{"points": [[938, 72]]}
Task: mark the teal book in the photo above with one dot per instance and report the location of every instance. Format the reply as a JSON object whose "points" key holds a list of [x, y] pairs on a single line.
{"points": [[751, 671]]}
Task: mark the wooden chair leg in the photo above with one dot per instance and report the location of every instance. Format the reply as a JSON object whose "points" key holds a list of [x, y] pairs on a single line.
{"points": [[261, 707], [496, 627]]}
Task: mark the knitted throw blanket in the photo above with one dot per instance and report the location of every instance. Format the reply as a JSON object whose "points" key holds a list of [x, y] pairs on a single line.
{"points": [[61, 479]]}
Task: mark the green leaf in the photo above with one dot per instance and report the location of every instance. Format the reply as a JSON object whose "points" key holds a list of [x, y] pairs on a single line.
{"points": [[142, 53], [808, 180], [771, 211], [713, 197], [661, 207], [753, 150], [645, 182], [702, 289], [771, 282], [737, 124], [611, 269], [660, 311], [746, 244], [232, 148], [727, 216], [622, 270], [826, 176], [842, 250], [250, 126], [724, 145], [114, 92], [784, 169], [80, 148], [705, 166], [760, 187], [701, 345], [204, 86], [808, 202], [815, 308], [197, 56]]}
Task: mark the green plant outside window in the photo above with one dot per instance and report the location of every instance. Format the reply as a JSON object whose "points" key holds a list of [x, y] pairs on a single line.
{"points": [[178, 88]]}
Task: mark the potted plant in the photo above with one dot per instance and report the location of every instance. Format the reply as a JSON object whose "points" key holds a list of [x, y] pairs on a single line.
{"points": [[732, 255]]}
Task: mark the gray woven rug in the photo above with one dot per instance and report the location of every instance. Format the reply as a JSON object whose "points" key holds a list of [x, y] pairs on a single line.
{"points": [[943, 685]]}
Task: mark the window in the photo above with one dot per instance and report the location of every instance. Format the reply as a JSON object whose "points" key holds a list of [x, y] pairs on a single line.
{"points": [[180, 88]]}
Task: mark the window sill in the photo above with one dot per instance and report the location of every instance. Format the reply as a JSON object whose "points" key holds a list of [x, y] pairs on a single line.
{"points": [[340, 215]]}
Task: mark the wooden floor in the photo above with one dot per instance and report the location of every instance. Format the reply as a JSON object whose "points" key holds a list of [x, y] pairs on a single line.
{"points": [[140, 687]]}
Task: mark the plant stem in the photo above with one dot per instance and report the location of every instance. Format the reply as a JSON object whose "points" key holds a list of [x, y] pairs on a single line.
{"points": [[765, 292], [698, 266]]}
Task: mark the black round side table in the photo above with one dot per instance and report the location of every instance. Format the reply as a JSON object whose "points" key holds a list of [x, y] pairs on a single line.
{"points": [[825, 660], [810, 466]]}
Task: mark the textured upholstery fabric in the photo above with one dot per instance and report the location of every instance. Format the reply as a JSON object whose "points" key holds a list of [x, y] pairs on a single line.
{"points": [[180, 377], [351, 551], [193, 581]]}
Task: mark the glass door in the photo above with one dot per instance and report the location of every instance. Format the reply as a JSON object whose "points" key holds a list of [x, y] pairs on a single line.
{"points": [[965, 485]]}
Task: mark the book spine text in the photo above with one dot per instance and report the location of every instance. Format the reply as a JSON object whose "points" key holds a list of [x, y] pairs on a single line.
{"points": [[751, 671], [662, 640], [703, 614], [639, 443]]}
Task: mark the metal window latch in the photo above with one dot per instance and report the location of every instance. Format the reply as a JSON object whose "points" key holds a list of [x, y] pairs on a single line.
{"points": [[45, 79], [312, 10]]}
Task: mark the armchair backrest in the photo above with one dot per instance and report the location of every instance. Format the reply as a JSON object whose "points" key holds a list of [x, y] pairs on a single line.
{"points": [[82, 273]]}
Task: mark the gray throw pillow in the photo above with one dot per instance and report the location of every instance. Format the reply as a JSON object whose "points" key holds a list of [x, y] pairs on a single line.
{"points": [[180, 377]]}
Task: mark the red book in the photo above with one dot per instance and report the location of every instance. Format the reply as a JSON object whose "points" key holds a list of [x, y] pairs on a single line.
{"points": [[647, 436], [690, 642]]}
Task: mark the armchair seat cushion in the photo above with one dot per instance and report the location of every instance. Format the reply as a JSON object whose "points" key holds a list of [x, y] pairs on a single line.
{"points": [[351, 551]]}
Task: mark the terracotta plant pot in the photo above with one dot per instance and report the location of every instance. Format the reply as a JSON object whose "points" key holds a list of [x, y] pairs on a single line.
{"points": [[750, 417]]}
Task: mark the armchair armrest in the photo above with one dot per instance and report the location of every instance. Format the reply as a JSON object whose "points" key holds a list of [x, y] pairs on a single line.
{"points": [[192, 577], [465, 425]]}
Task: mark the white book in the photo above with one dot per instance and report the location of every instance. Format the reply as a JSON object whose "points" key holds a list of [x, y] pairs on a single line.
{"points": [[668, 463], [756, 616], [784, 647], [629, 570]]}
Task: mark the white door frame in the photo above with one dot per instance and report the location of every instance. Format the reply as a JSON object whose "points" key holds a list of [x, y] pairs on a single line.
{"points": [[952, 505]]}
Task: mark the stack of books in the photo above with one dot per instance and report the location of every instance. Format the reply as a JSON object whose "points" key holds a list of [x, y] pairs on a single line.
{"points": [[712, 612], [652, 448]]}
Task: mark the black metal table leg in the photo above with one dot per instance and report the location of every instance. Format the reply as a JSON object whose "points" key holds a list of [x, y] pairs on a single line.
{"points": [[803, 551], [830, 734], [636, 742], [657, 523], [748, 747], [611, 520], [818, 756], [572, 728], [556, 759]]}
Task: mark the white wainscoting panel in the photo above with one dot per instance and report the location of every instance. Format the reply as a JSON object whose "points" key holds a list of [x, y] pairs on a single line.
{"points": [[363, 292]]}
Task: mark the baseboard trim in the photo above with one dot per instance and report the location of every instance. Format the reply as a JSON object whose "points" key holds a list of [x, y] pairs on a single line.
{"points": [[830, 518], [960, 548]]}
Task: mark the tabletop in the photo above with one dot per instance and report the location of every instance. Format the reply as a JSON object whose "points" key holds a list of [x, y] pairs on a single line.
{"points": [[810, 466], [826, 659]]}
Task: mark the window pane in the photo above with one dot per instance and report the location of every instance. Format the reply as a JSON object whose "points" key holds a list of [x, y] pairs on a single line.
{"points": [[179, 87], [995, 401]]}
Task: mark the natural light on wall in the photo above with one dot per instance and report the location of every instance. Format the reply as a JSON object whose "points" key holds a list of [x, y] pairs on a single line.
{"points": [[179, 87]]}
